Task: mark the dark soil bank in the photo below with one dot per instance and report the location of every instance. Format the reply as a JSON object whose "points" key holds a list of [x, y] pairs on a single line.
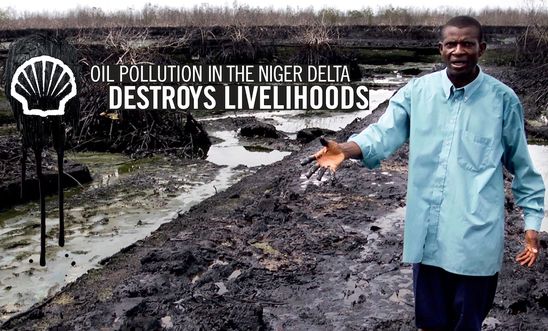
{"points": [[277, 252]]}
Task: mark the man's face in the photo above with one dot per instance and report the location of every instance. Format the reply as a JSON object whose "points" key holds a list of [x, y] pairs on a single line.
{"points": [[460, 50]]}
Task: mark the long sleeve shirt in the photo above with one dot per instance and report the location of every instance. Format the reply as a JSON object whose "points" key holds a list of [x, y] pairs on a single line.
{"points": [[459, 141]]}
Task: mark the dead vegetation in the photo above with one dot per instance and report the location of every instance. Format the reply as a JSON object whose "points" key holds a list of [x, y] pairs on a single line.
{"points": [[532, 63], [533, 44], [318, 45], [204, 15], [136, 132]]}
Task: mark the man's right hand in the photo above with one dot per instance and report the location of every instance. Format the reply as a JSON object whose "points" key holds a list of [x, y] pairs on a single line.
{"points": [[331, 156]]}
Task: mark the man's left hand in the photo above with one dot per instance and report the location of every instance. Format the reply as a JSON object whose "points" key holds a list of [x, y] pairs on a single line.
{"points": [[530, 253]]}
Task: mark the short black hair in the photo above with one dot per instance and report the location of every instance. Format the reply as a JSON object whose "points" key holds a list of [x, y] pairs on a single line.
{"points": [[463, 22]]}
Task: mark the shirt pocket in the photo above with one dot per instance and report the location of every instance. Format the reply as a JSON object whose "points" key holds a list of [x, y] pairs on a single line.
{"points": [[475, 153]]}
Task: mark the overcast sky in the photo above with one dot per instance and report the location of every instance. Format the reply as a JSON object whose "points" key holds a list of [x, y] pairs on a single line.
{"points": [[107, 5]]}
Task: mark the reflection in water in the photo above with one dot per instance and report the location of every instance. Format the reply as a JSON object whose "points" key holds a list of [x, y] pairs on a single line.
{"points": [[539, 154], [229, 152]]}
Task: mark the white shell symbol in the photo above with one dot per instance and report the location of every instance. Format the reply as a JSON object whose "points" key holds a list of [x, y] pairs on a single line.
{"points": [[43, 85]]}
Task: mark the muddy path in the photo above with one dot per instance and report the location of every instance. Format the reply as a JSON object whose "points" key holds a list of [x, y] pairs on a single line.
{"points": [[279, 252]]}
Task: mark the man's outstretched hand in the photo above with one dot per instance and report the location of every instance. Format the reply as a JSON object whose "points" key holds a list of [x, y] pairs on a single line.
{"points": [[530, 253], [330, 157]]}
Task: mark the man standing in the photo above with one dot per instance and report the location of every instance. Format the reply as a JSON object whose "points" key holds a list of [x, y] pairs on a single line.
{"points": [[463, 126]]}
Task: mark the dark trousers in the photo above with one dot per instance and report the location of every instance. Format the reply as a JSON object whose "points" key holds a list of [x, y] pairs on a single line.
{"points": [[447, 301]]}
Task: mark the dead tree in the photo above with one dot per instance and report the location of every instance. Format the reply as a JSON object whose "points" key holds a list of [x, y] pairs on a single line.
{"points": [[41, 76]]}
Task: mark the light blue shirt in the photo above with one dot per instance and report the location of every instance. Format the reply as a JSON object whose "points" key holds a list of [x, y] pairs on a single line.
{"points": [[459, 141]]}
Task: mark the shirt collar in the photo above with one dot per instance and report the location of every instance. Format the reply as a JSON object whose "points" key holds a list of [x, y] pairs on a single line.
{"points": [[468, 89]]}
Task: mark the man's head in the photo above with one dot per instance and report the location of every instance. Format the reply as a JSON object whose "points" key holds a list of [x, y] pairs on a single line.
{"points": [[460, 47]]}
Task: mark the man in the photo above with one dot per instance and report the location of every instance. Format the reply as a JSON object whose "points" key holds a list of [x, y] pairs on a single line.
{"points": [[463, 126]]}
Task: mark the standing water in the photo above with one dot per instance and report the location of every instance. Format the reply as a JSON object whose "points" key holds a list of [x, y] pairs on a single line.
{"points": [[126, 202]]}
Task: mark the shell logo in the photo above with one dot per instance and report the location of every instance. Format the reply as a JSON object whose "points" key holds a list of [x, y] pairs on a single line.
{"points": [[43, 85]]}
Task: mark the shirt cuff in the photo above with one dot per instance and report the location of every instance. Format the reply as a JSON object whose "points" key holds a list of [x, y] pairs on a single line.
{"points": [[533, 222], [369, 157]]}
